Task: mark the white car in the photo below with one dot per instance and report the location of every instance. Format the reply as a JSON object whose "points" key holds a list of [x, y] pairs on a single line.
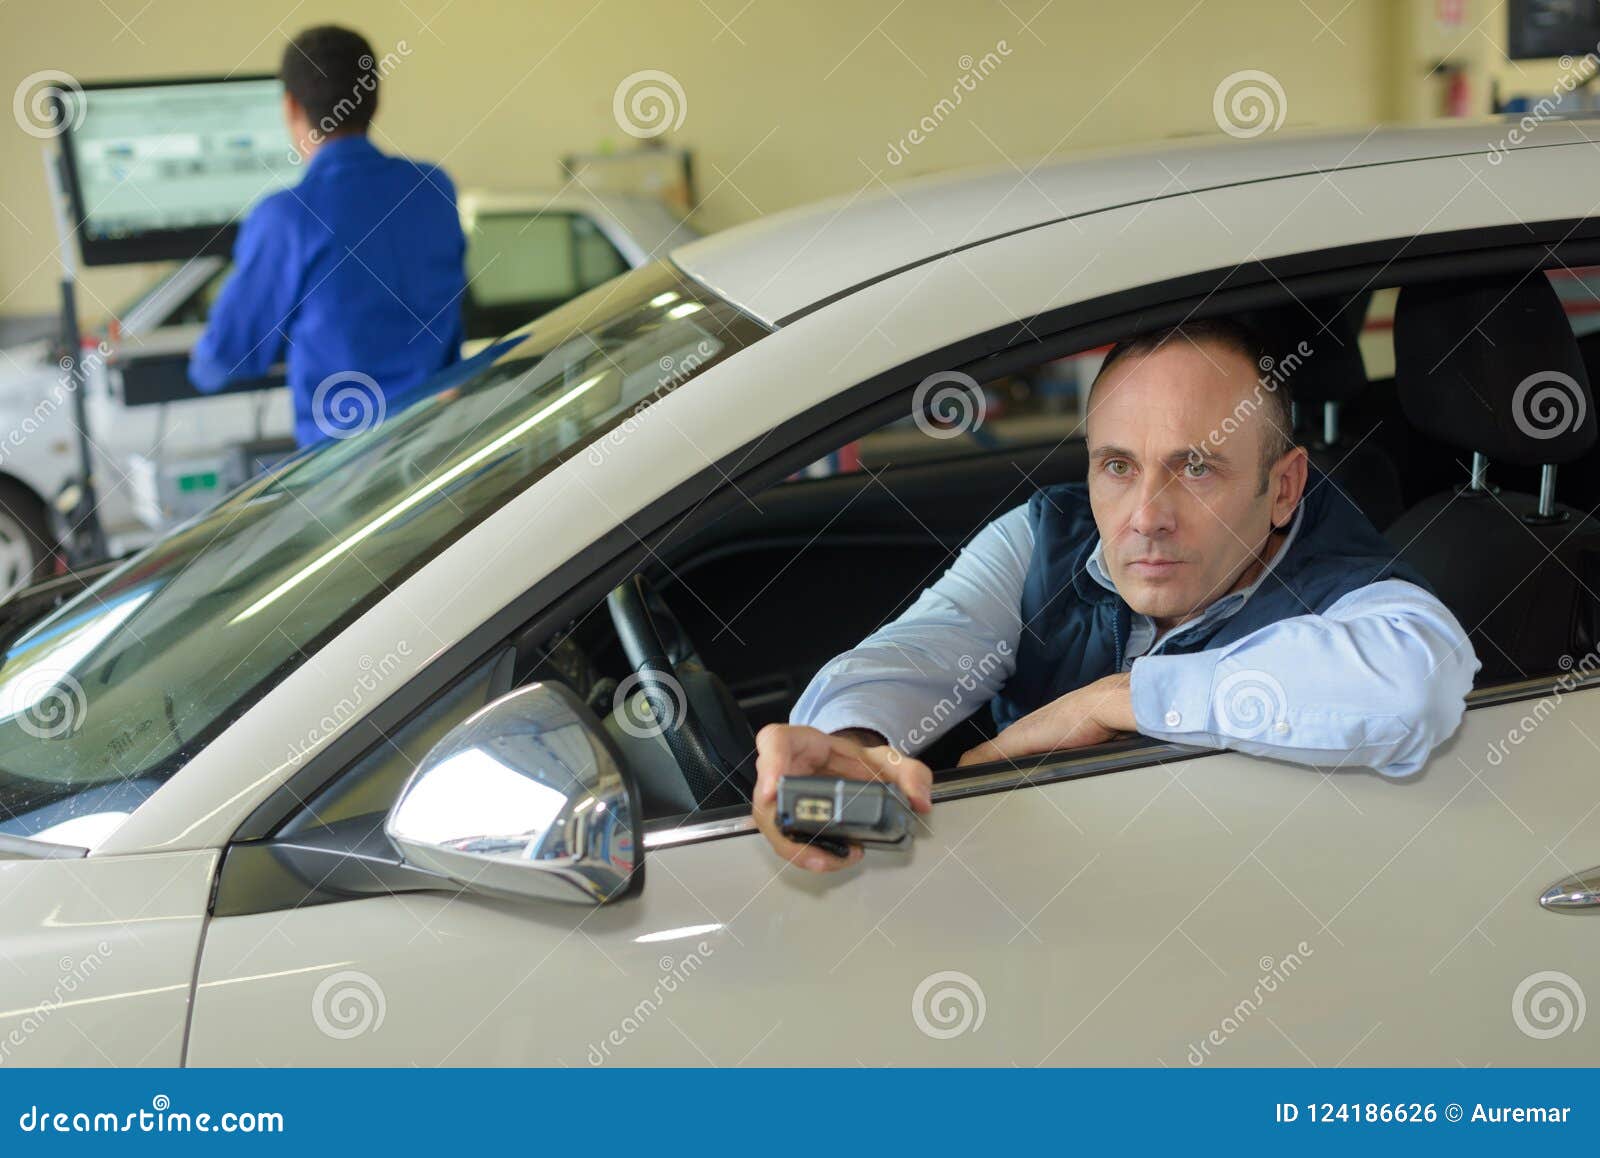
{"points": [[398, 758], [164, 451]]}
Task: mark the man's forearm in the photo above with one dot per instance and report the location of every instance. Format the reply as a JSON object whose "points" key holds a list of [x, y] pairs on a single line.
{"points": [[1111, 703]]}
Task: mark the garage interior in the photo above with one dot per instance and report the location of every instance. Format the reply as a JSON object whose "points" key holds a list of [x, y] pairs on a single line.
{"points": [[694, 446], [784, 103]]}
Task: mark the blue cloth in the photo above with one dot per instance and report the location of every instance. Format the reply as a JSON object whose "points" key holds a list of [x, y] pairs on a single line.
{"points": [[357, 270], [1376, 677]]}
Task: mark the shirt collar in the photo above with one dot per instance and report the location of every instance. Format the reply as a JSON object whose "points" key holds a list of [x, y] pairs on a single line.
{"points": [[1227, 604], [338, 150]]}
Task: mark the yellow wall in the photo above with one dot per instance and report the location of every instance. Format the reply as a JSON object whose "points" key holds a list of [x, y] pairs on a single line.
{"points": [[794, 100], [1478, 44]]}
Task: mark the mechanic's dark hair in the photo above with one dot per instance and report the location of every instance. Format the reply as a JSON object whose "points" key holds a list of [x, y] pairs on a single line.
{"points": [[332, 73], [1272, 391]]}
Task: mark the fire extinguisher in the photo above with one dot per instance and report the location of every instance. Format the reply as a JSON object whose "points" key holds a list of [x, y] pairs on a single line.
{"points": [[1457, 91]]}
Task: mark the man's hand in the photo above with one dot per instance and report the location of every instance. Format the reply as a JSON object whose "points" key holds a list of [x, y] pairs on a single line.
{"points": [[1093, 714], [794, 750]]}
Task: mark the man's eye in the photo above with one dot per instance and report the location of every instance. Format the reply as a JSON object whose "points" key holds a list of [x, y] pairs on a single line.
{"points": [[1117, 467], [1196, 469]]}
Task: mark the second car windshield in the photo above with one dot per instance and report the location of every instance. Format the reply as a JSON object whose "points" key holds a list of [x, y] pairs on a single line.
{"points": [[111, 693]]}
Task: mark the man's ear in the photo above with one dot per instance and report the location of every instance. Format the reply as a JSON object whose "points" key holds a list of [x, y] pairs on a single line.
{"points": [[1287, 484], [294, 116]]}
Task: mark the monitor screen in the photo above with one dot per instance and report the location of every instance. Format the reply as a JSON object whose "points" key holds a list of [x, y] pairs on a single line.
{"points": [[165, 170], [1548, 28]]}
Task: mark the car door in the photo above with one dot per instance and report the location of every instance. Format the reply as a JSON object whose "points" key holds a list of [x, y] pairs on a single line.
{"points": [[98, 955], [1136, 904], [1130, 906]]}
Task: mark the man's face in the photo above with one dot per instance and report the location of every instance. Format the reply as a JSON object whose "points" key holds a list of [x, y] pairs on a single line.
{"points": [[1177, 439]]}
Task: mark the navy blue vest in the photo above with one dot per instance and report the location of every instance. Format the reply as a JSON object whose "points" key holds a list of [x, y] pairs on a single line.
{"points": [[1077, 629]]}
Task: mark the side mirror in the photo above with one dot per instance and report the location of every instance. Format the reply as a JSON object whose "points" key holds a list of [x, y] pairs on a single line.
{"points": [[526, 798]]}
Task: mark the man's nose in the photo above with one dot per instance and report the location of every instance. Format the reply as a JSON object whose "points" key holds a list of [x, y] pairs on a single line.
{"points": [[1154, 514]]}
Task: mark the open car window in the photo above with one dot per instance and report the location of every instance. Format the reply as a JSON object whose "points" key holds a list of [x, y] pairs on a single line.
{"points": [[774, 587]]}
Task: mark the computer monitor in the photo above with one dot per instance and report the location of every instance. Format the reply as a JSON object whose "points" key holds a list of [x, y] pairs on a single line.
{"points": [[1551, 28], [165, 170]]}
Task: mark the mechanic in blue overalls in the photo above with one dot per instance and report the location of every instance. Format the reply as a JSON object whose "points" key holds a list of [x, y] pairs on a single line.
{"points": [[354, 276]]}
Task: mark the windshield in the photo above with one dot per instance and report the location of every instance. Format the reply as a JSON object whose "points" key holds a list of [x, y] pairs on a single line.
{"points": [[113, 692]]}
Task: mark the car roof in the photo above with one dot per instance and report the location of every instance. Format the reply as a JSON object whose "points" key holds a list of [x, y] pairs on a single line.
{"points": [[786, 264]]}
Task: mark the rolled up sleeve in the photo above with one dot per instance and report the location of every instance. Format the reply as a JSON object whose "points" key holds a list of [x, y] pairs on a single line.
{"points": [[1378, 680]]}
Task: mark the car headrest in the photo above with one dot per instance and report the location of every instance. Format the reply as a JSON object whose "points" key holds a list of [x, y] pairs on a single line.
{"points": [[1491, 365], [1327, 367]]}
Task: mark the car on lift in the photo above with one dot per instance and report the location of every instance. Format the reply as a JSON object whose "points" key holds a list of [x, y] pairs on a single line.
{"points": [[163, 451], [433, 746]]}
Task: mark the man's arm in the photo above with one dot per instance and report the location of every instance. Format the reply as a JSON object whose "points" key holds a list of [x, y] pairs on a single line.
{"points": [[914, 679], [904, 686], [246, 334], [1377, 681]]}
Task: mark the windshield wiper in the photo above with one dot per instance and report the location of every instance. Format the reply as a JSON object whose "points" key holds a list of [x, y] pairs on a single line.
{"points": [[21, 848]]}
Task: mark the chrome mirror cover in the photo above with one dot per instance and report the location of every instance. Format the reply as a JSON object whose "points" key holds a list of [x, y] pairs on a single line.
{"points": [[525, 798]]}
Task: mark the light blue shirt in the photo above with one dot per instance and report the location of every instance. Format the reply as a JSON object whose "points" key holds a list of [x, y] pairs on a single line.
{"points": [[1377, 680]]}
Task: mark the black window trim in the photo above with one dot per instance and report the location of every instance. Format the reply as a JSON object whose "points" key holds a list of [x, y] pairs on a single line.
{"points": [[1073, 764], [580, 583]]}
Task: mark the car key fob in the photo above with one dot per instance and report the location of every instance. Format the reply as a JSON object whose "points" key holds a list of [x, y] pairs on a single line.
{"points": [[833, 812]]}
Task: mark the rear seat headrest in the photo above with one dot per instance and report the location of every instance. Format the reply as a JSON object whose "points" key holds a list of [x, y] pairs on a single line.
{"points": [[1491, 365], [1330, 328]]}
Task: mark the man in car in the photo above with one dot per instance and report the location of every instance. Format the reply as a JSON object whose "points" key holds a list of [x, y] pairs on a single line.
{"points": [[356, 273], [1196, 590]]}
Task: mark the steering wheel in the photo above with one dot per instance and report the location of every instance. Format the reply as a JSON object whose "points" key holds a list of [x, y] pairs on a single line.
{"points": [[693, 710]]}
